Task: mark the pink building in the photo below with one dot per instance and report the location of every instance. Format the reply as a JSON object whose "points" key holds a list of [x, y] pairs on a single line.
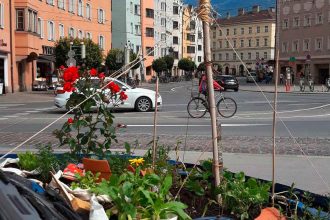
{"points": [[305, 37], [148, 40], [37, 25]]}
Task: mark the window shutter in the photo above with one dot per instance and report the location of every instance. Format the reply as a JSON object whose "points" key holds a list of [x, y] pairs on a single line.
{"points": [[82, 8], [53, 33], [48, 30], [103, 18], [2, 22], [41, 28]]}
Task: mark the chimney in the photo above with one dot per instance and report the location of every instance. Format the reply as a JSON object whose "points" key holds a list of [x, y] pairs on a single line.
{"points": [[228, 15], [255, 8], [241, 11]]}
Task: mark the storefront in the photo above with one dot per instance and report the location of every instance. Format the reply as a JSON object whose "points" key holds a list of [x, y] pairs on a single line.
{"points": [[4, 72]]}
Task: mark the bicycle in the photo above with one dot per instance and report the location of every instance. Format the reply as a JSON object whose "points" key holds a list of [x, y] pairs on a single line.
{"points": [[198, 106]]}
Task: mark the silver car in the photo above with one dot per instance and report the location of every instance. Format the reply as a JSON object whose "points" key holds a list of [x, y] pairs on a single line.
{"points": [[252, 77]]}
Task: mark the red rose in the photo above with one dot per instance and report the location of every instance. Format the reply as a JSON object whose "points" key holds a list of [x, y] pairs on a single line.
{"points": [[68, 87], [101, 76], [70, 120], [113, 87], [123, 96], [62, 67], [71, 74], [93, 72]]}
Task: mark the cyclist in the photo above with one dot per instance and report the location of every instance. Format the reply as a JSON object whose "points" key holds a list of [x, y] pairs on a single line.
{"points": [[203, 85]]}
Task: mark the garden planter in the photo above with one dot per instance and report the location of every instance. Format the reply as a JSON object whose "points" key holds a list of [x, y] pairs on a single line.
{"points": [[98, 166]]}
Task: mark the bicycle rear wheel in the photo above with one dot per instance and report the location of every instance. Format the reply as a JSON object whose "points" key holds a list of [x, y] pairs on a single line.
{"points": [[227, 107], [196, 107]]}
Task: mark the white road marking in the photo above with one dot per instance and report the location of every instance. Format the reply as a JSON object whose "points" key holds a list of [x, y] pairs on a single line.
{"points": [[25, 113], [173, 89], [223, 125], [3, 119], [12, 116], [32, 111], [10, 105]]}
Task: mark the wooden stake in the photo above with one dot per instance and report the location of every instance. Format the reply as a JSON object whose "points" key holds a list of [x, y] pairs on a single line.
{"points": [[274, 128], [155, 127]]}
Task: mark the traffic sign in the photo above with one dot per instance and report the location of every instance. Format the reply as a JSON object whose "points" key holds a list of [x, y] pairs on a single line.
{"points": [[292, 59]]}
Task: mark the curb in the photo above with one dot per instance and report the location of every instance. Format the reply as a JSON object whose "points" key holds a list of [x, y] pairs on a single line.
{"points": [[292, 92]]}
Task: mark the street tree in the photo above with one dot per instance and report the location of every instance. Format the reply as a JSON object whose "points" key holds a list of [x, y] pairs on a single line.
{"points": [[201, 67], [187, 65], [169, 62], [133, 57], [114, 60], [159, 65]]}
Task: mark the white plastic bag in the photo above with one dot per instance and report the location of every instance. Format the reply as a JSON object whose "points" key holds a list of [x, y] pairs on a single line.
{"points": [[97, 211]]}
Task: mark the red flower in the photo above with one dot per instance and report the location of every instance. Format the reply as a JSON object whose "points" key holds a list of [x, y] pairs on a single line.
{"points": [[68, 87], [71, 74], [70, 120], [101, 76], [113, 87], [62, 67], [123, 96], [93, 72]]}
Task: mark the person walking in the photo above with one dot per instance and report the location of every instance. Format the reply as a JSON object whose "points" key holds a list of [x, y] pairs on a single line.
{"points": [[281, 78]]}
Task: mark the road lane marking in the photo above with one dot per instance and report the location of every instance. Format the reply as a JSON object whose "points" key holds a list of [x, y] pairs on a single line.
{"points": [[23, 113], [223, 125], [3, 119], [173, 89], [32, 111], [12, 116]]}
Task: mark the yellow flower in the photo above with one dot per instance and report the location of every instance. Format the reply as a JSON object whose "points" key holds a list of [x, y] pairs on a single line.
{"points": [[137, 162]]}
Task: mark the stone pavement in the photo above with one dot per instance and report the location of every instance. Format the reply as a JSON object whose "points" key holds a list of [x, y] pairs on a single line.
{"points": [[230, 144]]}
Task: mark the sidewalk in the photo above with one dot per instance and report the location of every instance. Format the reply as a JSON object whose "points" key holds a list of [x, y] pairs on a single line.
{"points": [[27, 97], [270, 88]]}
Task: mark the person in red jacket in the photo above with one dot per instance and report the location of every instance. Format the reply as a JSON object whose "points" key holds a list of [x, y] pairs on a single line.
{"points": [[203, 85]]}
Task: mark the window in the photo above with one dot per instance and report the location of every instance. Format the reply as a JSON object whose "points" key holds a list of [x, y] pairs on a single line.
{"points": [[295, 46], [149, 32], [199, 59], [51, 31], [131, 7], [80, 34], [175, 40], [61, 30], [227, 33], [214, 45], [265, 55], [220, 44], [61, 4], [266, 29], [20, 19], [234, 56], [220, 56], [176, 55], [41, 28], [2, 16], [191, 37], [50, 2], [227, 56], [101, 16], [175, 10], [295, 22], [250, 30], [199, 47], [71, 32], [318, 44], [175, 25], [242, 43], [284, 47], [137, 9], [266, 42], [249, 56], [258, 29], [150, 51], [101, 42], [307, 21], [190, 49], [192, 25], [227, 44], [149, 13], [250, 43], [163, 6], [88, 11], [88, 35], [285, 24], [319, 18], [138, 30], [257, 55], [242, 31], [214, 34], [163, 22], [80, 8], [132, 28], [200, 35], [71, 6], [234, 43], [306, 46], [163, 37], [257, 42], [32, 21], [220, 33], [235, 31], [242, 56]]}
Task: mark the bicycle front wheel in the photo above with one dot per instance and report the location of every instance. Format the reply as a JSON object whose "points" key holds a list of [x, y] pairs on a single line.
{"points": [[196, 107], [227, 107]]}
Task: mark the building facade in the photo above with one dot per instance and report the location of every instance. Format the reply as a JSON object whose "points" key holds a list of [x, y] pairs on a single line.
{"points": [[192, 36], [305, 38], [37, 25], [126, 24], [251, 33], [176, 51]]}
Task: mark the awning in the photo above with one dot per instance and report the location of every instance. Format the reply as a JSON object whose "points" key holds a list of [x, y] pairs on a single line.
{"points": [[47, 58]]}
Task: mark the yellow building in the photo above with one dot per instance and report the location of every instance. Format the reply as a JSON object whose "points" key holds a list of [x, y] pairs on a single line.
{"points": [[252, 34], [192, 36]]}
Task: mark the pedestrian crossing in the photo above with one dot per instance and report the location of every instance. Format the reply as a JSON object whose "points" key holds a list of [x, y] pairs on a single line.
{"points": [[6, 108]]}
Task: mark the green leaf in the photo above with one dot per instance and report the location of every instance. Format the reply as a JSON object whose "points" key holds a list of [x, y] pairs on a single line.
{"points": [[84, 140], [167, 183]]}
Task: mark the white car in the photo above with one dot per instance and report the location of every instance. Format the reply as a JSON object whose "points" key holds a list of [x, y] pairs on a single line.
{"points": [[140, 99]]}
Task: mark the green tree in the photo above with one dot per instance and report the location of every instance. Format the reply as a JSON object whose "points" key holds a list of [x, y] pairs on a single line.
{"points": [[159, 65], [186, 64], [132, 57], [169, 62], [201, 67], [93, 58], [115, 59]]}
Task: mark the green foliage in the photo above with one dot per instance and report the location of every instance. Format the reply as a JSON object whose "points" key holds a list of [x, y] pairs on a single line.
{"points": [[28, 161], [239, 196], [169, 60], [201, 67], [186, 65], [133, 57], [47, 162], [89, 180], [115, 59], [159, 65], [93, 58]]}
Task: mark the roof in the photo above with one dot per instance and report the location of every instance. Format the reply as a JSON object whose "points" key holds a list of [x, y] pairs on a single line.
{"points": [[249, 17]]}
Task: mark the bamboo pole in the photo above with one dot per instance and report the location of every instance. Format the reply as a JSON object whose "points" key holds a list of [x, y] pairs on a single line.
{"points": [[204, 13], [274, 128], [155, 127]]}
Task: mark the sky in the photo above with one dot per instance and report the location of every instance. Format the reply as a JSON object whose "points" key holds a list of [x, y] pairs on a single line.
{"points": [[224, 6]]}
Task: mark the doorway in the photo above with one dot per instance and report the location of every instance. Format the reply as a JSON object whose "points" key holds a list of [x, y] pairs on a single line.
{"points": [[323, 75], [2, 74], [227, 70], [241, 70], [21, 70]]}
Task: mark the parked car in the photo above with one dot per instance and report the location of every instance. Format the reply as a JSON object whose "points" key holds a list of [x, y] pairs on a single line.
{"points": [[252, 77], [227, 82], [39, 84], [139, 99]]}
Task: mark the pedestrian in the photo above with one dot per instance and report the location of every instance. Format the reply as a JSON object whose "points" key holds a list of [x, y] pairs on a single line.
{"points": [[281, 78]]}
